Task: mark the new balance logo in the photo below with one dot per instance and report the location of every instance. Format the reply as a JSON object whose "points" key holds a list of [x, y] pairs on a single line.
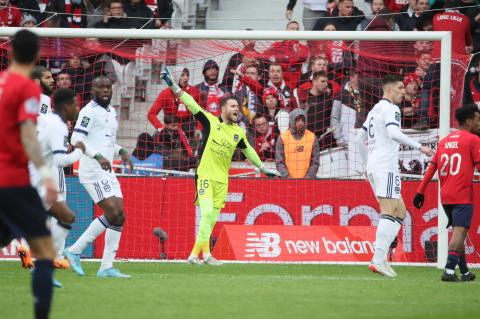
{"points": [[265, 245]]}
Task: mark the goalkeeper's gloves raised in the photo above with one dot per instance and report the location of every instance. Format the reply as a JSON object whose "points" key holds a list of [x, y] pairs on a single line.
{"points": [[167, 76], [267, 171], [418, 200]]}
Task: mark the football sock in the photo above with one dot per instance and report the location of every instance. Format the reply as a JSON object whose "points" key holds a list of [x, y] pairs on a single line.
{"points": [[112, 240], [197, 248], [452, 261], [208, 220], [93, 231], [386, 226], [42, 287], [462, 264], [396, 228], [59, 234]]}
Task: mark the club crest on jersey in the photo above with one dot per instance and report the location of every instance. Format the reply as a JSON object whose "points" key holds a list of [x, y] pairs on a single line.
{"points": [[235, 137], [106, 186], [44, 109], [397, 116], [65, 141], [85, 121], [201, 191]]}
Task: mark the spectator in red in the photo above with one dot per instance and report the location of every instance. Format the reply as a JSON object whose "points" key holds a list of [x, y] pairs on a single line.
{"points": [[408, 20], [290, 54], [346, 17], [64, 81], [248, 100], [234, 61], [263, 138], [472, 89], [28, 7], [274, 110], [410, 103], [75, 12], [452, 20], [138, 9], [173, 106], [210, 92], [396, 5], [318, 106], [318, 64], [275, 81], [172, 143], [10, 15]]}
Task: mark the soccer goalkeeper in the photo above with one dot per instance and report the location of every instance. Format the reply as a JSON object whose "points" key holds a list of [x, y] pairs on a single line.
{"points": [[221, 135]]}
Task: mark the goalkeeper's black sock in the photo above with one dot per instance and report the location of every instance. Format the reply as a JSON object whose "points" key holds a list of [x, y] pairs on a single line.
{"points": [[462, 264], [452, 261], [42, 288]]}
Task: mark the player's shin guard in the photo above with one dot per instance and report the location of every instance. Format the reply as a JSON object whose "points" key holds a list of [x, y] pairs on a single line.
{"points": [[112, 240], [452, 261], [60, 232], [42, 288], [97, 227], [386, 226]]}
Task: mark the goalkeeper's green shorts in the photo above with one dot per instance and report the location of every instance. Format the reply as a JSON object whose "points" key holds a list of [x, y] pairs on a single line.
{"points": [[213, 190]]}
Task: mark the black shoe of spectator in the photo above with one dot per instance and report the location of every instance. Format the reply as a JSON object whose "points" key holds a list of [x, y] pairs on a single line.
{"points": [[470, 276], [450, 278]]}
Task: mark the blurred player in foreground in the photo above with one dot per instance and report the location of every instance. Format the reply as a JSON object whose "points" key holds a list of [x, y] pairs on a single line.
{"points": [[457, 157], [53, 138], [97, 128], [21, 211], [382, 132], [221, 137]]}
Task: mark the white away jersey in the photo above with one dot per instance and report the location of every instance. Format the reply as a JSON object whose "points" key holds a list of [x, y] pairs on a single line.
{"points": [[98, 129], [382, 150], [45, 105], [53, 138]]}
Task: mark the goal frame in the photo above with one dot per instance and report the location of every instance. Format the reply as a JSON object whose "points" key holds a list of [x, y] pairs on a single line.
{"points": [[444, 37]]}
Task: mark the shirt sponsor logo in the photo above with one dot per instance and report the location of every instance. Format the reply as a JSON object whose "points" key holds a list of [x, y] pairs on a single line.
{"points": [[85, 121], [397, 116], [106, 186]]}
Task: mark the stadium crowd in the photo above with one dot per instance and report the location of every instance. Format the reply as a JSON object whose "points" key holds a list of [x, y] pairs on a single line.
{"points": [[335, 83]]}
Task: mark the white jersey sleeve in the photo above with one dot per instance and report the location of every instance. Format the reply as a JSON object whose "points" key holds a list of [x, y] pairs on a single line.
{"points": [[391, 115], [45, 105]]}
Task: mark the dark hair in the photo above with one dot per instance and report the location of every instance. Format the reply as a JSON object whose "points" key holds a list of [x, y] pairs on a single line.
{"points": [[62, 97], [38, 71], [25, 47], [99, 79], [259, 116], [391, 79], [170, 119], [227, 98], [115, 1], [466, 112], [318, 74], [275, 64]]}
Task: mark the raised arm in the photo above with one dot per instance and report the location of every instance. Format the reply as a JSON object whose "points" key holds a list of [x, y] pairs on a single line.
{"points": [[186, 98]]}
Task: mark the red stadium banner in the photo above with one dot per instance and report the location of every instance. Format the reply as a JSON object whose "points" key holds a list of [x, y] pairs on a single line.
{"points": [[169, 204], [298, 243]]}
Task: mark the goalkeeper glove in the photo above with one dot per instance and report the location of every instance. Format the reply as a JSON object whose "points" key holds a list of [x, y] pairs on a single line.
{"points": [[168, 78], [418, 200], [267, 171]]}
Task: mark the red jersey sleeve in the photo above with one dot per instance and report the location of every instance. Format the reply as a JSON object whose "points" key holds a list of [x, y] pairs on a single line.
{"points": [[475, 150], [29, 103], [155, 109]]}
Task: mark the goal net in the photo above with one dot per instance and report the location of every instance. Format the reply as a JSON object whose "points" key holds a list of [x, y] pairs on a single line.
{"points": [[326, 202]]}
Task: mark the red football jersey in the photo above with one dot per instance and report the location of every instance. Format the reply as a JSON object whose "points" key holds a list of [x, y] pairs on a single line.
{"points": [[456, 157], [460, 27], [19, 101]]}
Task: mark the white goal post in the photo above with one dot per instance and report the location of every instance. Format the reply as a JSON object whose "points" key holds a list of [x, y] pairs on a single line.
{"points": [[445, 60]]}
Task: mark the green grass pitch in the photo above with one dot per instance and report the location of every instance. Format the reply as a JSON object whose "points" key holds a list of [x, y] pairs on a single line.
{"points": [[169, 290]]}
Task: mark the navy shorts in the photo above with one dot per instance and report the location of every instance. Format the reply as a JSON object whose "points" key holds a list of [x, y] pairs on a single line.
{"points": [[21, 214], [459, 214]]}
